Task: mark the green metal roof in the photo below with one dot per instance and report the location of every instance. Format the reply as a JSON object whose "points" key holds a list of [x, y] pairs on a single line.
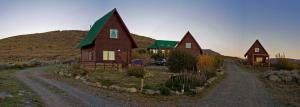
{"points": [[163, 44], [91, 35]]}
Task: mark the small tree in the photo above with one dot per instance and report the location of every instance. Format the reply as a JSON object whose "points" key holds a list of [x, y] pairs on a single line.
{"points": [[180, 61]]}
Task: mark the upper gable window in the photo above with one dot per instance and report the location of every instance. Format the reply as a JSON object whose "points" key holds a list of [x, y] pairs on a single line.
{"points": [[256, 49], [113, 33], [188, 45]]}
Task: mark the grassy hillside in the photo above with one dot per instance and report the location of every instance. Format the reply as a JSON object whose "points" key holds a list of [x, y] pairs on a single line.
{"points": [[54, 45]]}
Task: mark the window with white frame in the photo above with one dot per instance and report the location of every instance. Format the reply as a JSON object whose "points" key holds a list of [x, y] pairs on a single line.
{"points": [[188, 45], [108, 55], [256, 49], [113, 33]]}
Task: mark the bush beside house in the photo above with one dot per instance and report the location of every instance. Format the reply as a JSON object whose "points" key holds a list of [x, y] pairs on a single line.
{"points": [[180, 61], [192, 72]]}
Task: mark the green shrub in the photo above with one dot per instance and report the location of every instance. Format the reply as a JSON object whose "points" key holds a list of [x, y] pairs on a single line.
{"points": [[187, 81], [138, 72], [165, 90], [180, 61], [106, 82]]}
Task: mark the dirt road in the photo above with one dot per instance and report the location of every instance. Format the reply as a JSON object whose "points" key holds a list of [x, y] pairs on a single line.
{"points": [[239, 89], [58, 94]]}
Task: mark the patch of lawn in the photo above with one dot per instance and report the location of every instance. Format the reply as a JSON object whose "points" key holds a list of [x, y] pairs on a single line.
{"points": [[9, 83]]}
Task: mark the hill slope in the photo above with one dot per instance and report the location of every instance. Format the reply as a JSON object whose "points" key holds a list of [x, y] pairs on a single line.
{"points": [[210, 52], [54, 45]]}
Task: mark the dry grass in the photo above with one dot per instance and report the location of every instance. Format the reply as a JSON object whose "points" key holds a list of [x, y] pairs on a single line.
{"points": [[142, 41], [45, 46], [122, 79], [288, 94]]}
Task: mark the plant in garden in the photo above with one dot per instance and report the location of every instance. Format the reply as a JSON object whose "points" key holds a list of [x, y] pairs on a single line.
{"points": [[165, 90], [207, 64], [180, 60], [185, 81], [138, 72]]}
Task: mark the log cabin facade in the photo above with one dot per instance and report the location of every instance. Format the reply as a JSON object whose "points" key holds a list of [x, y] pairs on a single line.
{"points": [[188, 43], [108, 41], [257, 55]]}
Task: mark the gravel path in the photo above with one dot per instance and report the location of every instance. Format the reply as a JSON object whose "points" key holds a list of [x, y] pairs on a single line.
{"points": [[238, 89], [58, 94]]}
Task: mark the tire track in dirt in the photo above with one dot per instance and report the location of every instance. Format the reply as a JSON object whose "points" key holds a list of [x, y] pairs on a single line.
{"points": [[49, 98], [75, 97]]}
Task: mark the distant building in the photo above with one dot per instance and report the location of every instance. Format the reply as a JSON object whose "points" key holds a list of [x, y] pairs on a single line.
{"points": [[188, 43], [257, 55], [108, 41], [162, 46]]}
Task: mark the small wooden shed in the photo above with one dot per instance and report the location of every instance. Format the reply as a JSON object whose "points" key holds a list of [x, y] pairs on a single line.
{"points": [[257, 55]]}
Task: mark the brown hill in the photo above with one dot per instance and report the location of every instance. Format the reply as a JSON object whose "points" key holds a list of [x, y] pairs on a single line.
{"points": [[211, 52], [54, 45]]}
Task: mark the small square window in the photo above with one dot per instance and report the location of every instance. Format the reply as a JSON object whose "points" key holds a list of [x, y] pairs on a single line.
{"points": [[256, 49], [113, 33], [188, 45]]}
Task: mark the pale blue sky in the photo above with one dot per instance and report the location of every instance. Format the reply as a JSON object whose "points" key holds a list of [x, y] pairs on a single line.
{"points": [[226, 26]]}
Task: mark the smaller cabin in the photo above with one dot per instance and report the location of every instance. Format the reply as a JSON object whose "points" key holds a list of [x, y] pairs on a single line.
{"points": [[162, 46], [188, 43], [257, 55]]}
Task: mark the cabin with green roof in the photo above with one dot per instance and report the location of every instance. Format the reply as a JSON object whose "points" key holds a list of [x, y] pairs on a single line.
{"points": [[162, 46], [108, 41]]}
